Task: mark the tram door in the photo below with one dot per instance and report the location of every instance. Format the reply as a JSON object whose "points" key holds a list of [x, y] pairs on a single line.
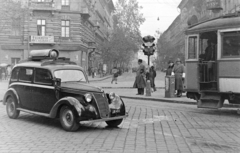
{"points": [[207, 64]]}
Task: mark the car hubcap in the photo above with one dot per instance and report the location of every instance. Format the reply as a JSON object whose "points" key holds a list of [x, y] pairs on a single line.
{"points": [[11, 107], [68, 118]]}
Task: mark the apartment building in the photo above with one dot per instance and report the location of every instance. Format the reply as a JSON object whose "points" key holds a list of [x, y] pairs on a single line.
{"points": [[74, 27], [192, 12]]}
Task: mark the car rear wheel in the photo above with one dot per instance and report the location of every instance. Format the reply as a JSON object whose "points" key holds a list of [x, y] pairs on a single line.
{"points": [[12, 108], [114, 123], [68, 119]]}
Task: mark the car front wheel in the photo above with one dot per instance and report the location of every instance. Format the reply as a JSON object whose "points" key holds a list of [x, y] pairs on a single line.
{"points": [[68, 119], [12, 108]]}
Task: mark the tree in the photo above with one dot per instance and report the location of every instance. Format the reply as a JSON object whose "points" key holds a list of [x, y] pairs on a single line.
{"points": [[126, 38], [11, 14]]}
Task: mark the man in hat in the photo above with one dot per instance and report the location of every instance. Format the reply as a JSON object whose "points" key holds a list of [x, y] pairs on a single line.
{"points": [[140, 82], [178, 71]]}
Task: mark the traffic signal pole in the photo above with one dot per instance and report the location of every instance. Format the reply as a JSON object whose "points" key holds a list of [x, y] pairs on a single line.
{"points": [[148, 60], [148, 49]]}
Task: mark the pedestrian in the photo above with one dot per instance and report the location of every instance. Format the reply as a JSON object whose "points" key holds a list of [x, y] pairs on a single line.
{"points": [[170, 67], [0, 73], [115, 75], [140, 82], [89, 71], [9, 69], [93, 72], [178, 72], [152, 76]]}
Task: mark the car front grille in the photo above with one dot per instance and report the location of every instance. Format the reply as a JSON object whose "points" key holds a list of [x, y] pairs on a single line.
{"points": [[102, 102]]}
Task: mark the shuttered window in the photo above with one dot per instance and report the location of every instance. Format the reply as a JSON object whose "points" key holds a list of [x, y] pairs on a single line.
{"points": [[65, 28]]}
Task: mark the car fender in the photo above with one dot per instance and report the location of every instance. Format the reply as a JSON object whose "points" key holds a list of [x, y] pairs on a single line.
{"points": [[11, 92], [67, 101]]}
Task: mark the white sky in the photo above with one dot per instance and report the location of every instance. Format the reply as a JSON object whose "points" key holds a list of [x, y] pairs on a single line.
{"points": [[165, 10]]}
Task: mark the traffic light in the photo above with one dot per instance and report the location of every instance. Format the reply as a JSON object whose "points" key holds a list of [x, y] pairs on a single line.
{"points": [[148, 46], [149, 39]]}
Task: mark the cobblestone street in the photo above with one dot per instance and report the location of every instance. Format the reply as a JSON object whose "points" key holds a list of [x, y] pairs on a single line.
{"points": [[150, 127]]}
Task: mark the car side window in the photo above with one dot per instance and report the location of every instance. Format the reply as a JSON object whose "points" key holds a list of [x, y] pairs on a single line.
{"points": [[43, 76], [14, 75], [25, 74]]}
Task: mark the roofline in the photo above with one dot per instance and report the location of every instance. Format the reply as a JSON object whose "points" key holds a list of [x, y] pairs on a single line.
{"points": [[230, 15], [111, 5], [181, 3]]}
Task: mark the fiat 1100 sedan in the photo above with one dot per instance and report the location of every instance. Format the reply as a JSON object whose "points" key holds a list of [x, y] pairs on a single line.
{"points": [[58, 88]]}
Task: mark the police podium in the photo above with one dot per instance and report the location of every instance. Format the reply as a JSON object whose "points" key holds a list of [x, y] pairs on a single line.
{"points": [[169, 86]]}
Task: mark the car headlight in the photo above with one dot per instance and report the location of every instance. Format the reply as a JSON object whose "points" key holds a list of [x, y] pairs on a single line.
{"points": [[112, 95], [88, 97]]}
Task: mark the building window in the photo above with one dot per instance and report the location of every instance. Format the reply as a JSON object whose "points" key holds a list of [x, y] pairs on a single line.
{"points": [[65, 2], [192, 47], [65, 28], [41, 27]]}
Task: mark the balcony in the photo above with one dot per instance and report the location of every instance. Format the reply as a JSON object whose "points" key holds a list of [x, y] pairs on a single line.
{"points": [[42, 6], [85, 13], [41, 40]]}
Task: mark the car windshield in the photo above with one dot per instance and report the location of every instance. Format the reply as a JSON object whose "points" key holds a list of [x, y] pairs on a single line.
{"points": [[70, 75]]}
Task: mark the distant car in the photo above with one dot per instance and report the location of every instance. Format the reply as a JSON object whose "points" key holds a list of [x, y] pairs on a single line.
{"points": [[58, 88]]}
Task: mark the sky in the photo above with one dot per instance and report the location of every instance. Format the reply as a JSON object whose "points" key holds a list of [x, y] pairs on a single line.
{"points": [[164, 10]]}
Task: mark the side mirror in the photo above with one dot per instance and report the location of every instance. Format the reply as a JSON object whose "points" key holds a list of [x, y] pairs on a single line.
{"points": [[57, 82]]}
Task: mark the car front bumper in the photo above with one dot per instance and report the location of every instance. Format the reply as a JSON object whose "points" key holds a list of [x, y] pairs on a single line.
{"points": [[105, 119]]}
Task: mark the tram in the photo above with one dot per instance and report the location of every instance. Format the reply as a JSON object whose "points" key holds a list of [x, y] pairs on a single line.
{"points": [[213, 61]]}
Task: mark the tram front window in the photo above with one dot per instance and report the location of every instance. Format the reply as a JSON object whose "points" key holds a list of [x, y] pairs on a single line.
{"points": [[231, 44]]}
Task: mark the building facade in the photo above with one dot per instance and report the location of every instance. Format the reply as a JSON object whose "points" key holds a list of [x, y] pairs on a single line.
{"points": [[171, 42], [74, 27]]}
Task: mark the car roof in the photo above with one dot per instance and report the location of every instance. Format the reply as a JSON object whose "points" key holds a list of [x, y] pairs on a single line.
{"points": [[52, 67], [223, 22]]}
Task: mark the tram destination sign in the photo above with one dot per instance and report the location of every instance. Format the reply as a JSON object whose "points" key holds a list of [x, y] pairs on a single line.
{"points": [[213, 4]]}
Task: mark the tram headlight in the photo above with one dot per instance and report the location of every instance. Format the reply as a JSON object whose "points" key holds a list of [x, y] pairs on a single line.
{"points": [[88, 97]]}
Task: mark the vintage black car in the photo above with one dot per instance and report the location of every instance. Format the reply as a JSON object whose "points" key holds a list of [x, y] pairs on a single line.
{"points": [[58, 88]]}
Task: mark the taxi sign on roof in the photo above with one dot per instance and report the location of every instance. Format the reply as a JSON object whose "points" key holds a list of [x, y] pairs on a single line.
{"points": [[46, 53]]}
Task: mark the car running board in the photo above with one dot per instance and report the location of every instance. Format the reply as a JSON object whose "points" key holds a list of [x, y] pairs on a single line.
{"points": [[33, 112]]}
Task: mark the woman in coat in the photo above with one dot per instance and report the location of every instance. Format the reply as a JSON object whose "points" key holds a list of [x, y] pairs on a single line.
{"points": [[140, 82], [170, 67], [179, 73]]}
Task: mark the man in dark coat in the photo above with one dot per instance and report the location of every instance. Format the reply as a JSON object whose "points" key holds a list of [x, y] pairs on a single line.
{"points": [[153, 75], [140, 82]]}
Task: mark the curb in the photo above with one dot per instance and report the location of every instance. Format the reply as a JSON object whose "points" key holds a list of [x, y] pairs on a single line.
{"points": [[101, 79], [176, 101]]}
